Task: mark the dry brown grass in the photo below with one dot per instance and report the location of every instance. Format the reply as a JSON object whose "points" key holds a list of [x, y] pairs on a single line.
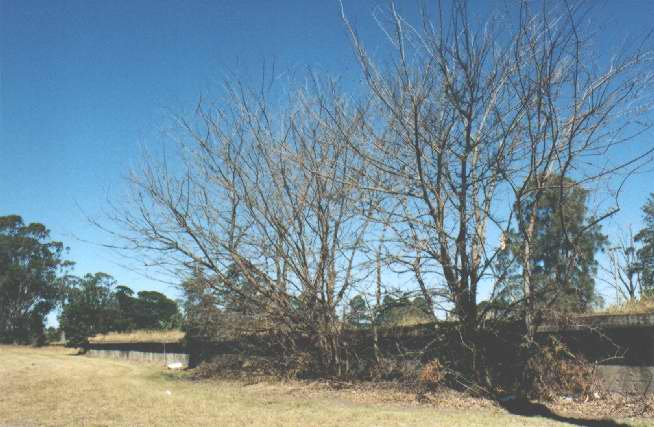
{"points": [[141, 336], [53, 386], [640, 306]]}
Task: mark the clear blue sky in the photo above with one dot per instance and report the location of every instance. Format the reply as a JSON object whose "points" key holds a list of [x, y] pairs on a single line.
{"points": [[83, 84]]}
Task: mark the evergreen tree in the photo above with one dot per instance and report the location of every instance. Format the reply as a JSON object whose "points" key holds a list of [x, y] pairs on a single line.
{"points": [[357, 315], [31, 279], [646, 251], [402, 311], [95, 305], [154, 310], [566, 239], [91, 308], [127, 309]]}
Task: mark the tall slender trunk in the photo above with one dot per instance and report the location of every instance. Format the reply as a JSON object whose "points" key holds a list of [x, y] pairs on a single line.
{"points": [[528, 285], [377, 307]]}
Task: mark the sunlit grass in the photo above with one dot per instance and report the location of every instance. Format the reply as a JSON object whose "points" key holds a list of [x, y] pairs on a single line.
{"points": [[140, 336], [639, 306], [54, 386]]}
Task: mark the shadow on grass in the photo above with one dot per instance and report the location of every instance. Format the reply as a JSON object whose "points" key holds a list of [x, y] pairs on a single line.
{"points": [[171, 375], [526, 408]]}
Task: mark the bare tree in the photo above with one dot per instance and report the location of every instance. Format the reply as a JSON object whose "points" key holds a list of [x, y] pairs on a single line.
{"points": [[271, 194], [448, 149], [471, 121], [623, 269]]}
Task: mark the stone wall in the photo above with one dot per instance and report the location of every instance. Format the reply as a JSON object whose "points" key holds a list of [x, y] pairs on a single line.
{"points": [[160, 353], [601, 321], [626, 379], [608, 339], [622, 347]]}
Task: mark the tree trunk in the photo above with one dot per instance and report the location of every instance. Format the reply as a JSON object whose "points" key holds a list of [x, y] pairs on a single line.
{"points": [[377, 308]]}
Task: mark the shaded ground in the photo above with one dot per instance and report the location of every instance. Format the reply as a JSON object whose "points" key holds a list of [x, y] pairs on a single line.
{"points": [[54, 387]]}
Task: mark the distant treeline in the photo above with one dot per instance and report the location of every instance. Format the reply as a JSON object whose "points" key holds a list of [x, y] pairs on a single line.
{"points": [[35, 279], [95, 305]]}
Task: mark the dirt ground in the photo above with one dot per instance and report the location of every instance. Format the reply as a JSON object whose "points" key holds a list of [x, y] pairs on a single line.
{"points": [[53, 386]]}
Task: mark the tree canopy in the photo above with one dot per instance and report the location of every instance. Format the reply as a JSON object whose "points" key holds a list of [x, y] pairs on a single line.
{"points": [[32, 271], [564, 242], [646, 251], [90, 308], [95, 305]]}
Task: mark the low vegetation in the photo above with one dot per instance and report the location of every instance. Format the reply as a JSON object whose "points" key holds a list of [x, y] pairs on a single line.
{"points": [[643, 305], [53, 386]]}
